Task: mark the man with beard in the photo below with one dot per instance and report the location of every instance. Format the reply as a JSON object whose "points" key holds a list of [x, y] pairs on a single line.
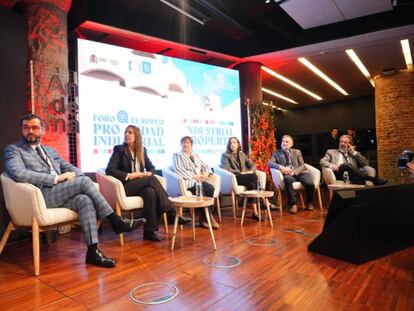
{"points": [[347, 159], [63, 184]]}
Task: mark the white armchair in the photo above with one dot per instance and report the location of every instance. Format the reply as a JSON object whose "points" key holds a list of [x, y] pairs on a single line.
{"points": [[315, 174], [114, 193], [176, 186], [330, 178], [27, 209], [229, 185]]}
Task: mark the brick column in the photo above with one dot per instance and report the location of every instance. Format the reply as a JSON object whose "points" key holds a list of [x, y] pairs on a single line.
{"points": [[48, 49], [394, 112]]}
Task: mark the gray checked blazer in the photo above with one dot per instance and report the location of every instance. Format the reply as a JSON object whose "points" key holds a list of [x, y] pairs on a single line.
{"points": [[332, 157], [23, 164], [229, 163], [186, 168], [278, 159]]}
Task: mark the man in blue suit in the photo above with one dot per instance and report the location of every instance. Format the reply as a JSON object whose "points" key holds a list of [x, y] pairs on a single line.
{"points": [[63, 184]]}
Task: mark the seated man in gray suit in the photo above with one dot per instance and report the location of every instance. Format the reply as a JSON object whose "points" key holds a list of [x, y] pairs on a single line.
{"points": [[347, 159], [63, 184], [290, 163]]}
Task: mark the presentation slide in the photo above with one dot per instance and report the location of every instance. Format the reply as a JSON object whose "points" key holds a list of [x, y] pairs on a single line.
{"points": [[165, 97]]}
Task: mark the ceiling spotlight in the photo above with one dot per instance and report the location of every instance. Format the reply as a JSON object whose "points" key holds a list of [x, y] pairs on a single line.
{"points": [[267, 1]]}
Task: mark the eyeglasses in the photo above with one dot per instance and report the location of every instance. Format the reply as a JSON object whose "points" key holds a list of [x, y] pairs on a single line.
{"points": [[34, 128]]}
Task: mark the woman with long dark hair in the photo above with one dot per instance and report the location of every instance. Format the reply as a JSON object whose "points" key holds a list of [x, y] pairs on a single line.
{"points": [[236, 161], [130, 164]]}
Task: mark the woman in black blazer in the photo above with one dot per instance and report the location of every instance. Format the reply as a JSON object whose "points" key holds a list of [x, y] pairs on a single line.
{"points": [[236, 161], [130, 164]]}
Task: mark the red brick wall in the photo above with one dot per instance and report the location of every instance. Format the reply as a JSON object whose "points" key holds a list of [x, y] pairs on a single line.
{"points": [[394, 112], [48, 49]]}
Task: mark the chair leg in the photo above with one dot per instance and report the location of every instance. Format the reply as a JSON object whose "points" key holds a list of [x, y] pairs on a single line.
{"points": [[36, 246], [233, 204], [301, 200], [280, 199], [218, 208], [319, 198], [164, 218], [121, 235], [6, 235]]}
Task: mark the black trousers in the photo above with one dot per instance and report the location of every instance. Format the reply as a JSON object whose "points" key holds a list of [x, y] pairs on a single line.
{"points": [[247, 180], [208, 191], [155, 199], [355, 175], [306, 180]]}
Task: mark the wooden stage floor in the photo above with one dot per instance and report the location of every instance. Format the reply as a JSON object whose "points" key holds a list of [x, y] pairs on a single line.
{"points": [[279, 277]]}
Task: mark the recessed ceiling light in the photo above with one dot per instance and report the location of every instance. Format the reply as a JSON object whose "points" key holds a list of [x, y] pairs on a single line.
{"points": [[322, 75], [405, 44], [351, 53], [290, 82], [279, 96]]}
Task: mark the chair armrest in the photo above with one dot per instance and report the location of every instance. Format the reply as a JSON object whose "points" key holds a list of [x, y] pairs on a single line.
{"points": [[261, 176], [228, 181], [277, 177], [315, 174], [23, 201], [162, 180], [175, 183], [328, 176], [111, 188], [215, 180]]}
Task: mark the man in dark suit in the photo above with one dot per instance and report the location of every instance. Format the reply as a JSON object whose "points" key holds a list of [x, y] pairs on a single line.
{"points": [[290, 163], [332, 141], [63, 184]]}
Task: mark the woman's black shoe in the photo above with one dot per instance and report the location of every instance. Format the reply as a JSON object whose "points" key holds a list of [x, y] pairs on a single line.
{"points": [[255, 216], [181, 219], [152, 236]]}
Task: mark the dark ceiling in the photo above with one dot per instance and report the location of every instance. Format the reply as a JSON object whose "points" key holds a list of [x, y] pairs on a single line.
{"points": [[235, 27], [274, 33]]}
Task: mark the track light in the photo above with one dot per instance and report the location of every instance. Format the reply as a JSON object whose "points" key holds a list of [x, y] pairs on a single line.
{"points": [[182, 11]]}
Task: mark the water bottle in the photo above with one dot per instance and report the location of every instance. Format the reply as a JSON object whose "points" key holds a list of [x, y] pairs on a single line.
{"points": [[199, 190], [259, 185], [346, 177]]}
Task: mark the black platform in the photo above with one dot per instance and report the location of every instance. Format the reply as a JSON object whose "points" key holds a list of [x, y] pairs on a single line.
{"points": [[366, 224]]}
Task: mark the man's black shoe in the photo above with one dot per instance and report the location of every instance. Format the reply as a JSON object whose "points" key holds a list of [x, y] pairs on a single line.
{"points": [[380, 181], [152, 236], [182, 220], [97, 258], [128, 225]]}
